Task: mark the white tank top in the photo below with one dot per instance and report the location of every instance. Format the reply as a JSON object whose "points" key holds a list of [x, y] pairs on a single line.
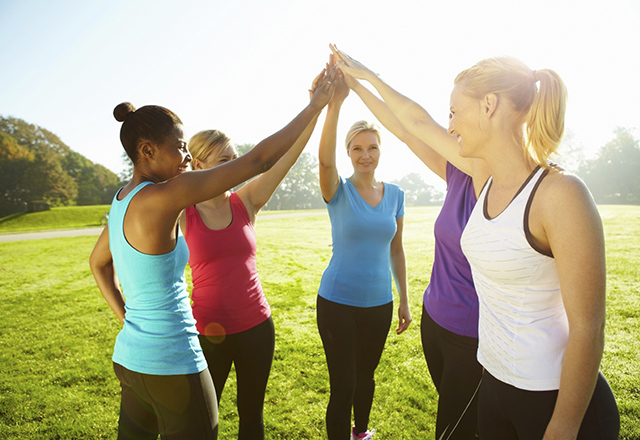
{"points": [[523, 327]]}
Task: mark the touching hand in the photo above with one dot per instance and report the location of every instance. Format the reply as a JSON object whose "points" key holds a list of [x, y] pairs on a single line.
{"points": [[324, 91], [316, 82], [349, 66]]}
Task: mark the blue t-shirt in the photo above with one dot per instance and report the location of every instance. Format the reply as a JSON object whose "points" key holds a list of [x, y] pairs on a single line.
{"points": [[359, 271], [159, 335]]}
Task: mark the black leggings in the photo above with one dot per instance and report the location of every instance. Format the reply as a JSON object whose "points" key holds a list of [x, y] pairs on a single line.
{"points": [[252, 353], [180, 407], [456, 374], [353, 340], [509, 413]]}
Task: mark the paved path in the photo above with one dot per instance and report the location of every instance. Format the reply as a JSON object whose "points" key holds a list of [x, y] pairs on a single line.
{"points": [[96, 231]]}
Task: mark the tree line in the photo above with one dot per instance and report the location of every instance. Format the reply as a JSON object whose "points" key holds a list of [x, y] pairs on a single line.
{"points": [[35, 165]]}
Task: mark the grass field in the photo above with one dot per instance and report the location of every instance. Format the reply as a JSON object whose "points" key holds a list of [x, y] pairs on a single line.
{"points": [[57, 334]]}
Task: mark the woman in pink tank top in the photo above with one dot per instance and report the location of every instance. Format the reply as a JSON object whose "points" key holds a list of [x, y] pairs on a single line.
{"points": [[233, 316]]}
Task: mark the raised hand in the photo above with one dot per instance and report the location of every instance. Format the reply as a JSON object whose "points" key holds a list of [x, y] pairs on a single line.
{"points": [[324, 86], [316, 82], [349, 66]]}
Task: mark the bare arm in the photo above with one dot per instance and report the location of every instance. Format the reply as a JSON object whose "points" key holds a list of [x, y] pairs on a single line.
{"points": [[411, 115], [257, 193], [329, 179], [172, 196], [399, 271], [574, 232], [101, 264], [379, 108]]}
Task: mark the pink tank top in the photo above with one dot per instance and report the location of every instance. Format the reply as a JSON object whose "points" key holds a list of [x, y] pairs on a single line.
{"points": [[227, 295]]}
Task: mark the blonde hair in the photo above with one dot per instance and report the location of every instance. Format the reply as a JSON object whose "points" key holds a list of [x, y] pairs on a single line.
{"points": [[542, 108], [360, 127], [206, 143]]}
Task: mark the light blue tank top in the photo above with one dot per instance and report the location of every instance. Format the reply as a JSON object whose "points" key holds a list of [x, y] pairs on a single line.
{"points": [[159, 335], [359, 271]]}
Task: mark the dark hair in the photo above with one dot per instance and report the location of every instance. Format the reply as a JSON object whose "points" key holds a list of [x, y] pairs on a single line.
{"points": [[151, 123]]}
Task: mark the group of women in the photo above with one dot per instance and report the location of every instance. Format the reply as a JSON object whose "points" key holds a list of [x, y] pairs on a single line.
{"points": [[513, 317]]}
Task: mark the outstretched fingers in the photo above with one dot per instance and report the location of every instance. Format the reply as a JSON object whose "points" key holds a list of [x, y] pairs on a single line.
{"points": [[325, 89]]}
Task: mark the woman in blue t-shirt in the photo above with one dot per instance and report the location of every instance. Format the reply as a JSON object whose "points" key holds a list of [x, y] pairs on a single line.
{"points": [[166, 387], [355, 300]]}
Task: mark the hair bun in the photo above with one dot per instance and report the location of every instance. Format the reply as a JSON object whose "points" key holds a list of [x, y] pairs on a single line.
{"points": [[122, 111]]}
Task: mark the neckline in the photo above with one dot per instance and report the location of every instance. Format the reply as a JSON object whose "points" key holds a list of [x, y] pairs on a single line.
{"points": [[384, 194], [485, 204], [204, 225]]}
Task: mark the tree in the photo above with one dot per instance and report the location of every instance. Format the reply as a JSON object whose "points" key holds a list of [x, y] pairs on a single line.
{"points": [[15, 160], [36, 165], [417, 192], [300, 189], [614, 176], [571, 155]]}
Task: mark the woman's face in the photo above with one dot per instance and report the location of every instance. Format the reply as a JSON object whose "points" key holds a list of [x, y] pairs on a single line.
{"points": [[364, 152], [212, 161], [172, 156], [465, 122]]}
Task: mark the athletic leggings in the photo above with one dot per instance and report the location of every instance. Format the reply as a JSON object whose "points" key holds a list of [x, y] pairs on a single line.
{"points": [[252, 353], [353, 340], [456, 374], [180, 407], [509, 413]]}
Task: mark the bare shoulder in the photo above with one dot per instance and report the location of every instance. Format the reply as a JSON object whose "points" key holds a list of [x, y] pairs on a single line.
{"points": [[563, 198], [565, 188]]}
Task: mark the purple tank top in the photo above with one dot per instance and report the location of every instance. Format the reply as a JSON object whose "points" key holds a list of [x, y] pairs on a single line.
{"points": [[450, 298]]}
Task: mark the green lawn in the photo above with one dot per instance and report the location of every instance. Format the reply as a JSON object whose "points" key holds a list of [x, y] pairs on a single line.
{"points": [[57, 334], [56, 218]]}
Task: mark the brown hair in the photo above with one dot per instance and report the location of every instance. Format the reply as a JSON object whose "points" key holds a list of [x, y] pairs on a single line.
{"points": [[151, 122]]}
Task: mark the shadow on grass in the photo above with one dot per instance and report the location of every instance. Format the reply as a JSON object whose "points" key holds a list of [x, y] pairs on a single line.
{"points": [[11, 217]]}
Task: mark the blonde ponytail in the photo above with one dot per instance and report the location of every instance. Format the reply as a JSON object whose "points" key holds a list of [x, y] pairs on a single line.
{"points": [[545, 119], [542, 109]]}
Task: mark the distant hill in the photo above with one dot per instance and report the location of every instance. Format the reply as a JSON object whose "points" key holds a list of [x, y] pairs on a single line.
{"points": [[35, 165]]}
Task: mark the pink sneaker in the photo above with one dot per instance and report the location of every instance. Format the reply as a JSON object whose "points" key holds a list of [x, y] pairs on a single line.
{"points": [[368, 435]]}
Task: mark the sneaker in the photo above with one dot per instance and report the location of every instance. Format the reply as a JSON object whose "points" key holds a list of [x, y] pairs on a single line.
{"points": [[368, 435]]}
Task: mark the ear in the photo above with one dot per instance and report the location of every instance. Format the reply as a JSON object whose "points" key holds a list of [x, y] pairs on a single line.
{"points": [[146, 150], [196, 164], [490, 104]]}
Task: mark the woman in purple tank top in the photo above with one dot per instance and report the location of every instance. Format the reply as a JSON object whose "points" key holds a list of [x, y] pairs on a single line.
{"points": [[511, 118]]}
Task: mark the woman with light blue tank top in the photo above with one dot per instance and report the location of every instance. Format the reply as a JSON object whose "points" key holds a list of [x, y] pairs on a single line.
{"points": [[449, 321], [141, 255], [355, 299]]}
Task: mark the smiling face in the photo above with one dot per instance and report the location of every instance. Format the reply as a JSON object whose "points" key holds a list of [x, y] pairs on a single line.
{"points": [[465, 122], [213, 160], [364, 151], [172, 156]]}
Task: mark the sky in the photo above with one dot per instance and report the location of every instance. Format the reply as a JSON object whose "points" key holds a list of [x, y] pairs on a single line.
{"points": [[245, 66]]}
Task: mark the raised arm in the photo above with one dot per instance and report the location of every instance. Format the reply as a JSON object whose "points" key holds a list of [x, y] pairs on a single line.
{"points": [[574, 232], [101, 264], [379, 108], [329, 179], [186, 189], [411, 115], [257, 193]]}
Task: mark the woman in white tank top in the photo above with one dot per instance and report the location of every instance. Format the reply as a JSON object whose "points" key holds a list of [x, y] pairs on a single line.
{"points": [[536, 249]]}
